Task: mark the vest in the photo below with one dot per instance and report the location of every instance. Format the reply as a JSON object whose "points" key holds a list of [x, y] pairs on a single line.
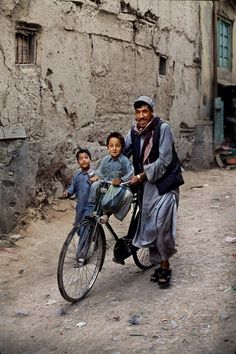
{"points": [[172, 178]]}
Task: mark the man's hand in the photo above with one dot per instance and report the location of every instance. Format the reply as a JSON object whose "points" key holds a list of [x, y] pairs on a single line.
{"points": [[116, 181], [138, 179], [134, 180]]}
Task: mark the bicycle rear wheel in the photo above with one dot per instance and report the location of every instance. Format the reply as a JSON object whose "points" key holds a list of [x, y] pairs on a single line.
{"points": [[75, 278], [141, 258]]}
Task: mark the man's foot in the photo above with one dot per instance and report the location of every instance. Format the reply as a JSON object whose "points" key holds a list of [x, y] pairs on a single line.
{"points": [[156, 275], [104, 219], [164, 278], [162, 274]]}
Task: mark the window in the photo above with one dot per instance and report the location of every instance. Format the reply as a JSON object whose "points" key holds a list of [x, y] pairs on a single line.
{"points": [[224, 43], [162, 66], [26, 43]]}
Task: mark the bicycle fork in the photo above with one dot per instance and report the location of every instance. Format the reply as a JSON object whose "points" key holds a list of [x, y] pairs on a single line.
{"points": [[87, 242]]}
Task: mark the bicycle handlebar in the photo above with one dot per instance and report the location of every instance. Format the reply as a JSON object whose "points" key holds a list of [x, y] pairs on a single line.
{"points": [[127, 183], [122, 184]]}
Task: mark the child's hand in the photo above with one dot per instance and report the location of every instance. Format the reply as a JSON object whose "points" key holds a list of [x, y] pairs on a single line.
{"points": [[116, 181], [94, 179], [65, 194]]}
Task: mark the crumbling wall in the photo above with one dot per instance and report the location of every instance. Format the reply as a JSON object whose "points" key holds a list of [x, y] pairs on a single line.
{"points": [[18, 168], [93, 59]]}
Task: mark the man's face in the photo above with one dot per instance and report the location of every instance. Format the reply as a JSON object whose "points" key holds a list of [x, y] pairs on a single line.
{"points": [[143, 115], [84, 161]]}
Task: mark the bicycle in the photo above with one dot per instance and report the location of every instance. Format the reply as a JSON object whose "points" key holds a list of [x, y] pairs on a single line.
{"points": [[83, 252]]}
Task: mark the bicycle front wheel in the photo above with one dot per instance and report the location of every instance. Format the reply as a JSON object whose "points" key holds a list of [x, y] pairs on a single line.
{"points": [[81, 258], [141, 258]]}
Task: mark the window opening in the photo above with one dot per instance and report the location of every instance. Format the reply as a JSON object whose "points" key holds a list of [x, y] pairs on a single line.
{"points": [[162, 66], [26, 43], [224, 43]]}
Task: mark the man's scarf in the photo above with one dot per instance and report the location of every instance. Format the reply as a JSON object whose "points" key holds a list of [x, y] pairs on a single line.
{"points": [[148, 133]]}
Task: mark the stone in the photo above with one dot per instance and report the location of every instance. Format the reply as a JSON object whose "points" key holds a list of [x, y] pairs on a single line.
{"points": [[81, 324], [223, 316], [15, 237], [61, 311], [21, 313]]}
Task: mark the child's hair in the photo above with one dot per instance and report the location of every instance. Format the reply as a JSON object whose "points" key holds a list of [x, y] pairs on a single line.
{"points": [[117, 136], [82, 151]]}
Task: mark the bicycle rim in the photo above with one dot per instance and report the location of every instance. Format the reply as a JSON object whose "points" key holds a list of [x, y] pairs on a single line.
{"points": [[141, 258], [75, 280]]}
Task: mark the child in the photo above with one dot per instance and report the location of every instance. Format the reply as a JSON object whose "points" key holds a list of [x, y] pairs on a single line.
{"points": [[117, 168], [80, 185]]}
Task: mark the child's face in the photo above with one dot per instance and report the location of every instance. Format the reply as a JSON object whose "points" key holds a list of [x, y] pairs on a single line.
{"points": [[114, 147], [84, 161]]}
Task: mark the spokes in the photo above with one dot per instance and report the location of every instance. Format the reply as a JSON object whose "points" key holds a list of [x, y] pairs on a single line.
{"points": [[80, 261], [143, 255], [142, 258]]}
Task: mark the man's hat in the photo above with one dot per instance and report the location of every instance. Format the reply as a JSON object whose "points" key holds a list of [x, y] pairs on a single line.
{"points": [[146, 100]]}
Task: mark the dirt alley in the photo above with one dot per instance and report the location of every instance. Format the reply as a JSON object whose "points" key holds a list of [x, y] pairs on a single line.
{"points": [[196, 314]]}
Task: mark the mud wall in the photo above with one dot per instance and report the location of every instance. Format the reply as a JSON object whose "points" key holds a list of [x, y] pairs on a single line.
{"points": [[18, 169]]}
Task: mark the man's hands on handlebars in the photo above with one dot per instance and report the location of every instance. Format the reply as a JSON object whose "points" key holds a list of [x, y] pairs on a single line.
{"points": [[138, 179]]}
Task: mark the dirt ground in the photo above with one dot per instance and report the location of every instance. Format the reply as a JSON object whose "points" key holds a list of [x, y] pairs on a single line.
{"points": [[196, 314]]}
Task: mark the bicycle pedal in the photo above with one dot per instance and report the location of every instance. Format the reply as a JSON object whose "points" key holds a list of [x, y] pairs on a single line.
{"points": [[119, 261]]}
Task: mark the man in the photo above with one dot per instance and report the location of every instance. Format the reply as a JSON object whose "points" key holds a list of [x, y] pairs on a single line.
{"points": [[158, 176]]}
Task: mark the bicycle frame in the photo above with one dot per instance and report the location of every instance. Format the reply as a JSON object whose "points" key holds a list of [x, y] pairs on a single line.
{"points": [[78, 268], [133, 222]]}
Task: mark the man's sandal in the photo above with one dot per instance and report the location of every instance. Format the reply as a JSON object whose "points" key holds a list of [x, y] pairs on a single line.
{"points": [[155, 276], [162, 276]]}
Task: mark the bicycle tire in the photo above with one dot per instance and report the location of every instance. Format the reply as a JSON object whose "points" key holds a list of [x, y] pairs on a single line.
{"points": [[141, 258], [76, 280]]}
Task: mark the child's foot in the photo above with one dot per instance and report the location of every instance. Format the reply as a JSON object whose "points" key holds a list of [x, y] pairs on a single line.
{"points": [[81, 261], [104, 219]]}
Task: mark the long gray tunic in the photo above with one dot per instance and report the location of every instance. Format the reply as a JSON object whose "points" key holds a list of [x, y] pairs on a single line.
{"points": [[157, 228]]}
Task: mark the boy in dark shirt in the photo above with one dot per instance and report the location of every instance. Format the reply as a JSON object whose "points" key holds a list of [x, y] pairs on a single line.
{"points": [[80, 185]]}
